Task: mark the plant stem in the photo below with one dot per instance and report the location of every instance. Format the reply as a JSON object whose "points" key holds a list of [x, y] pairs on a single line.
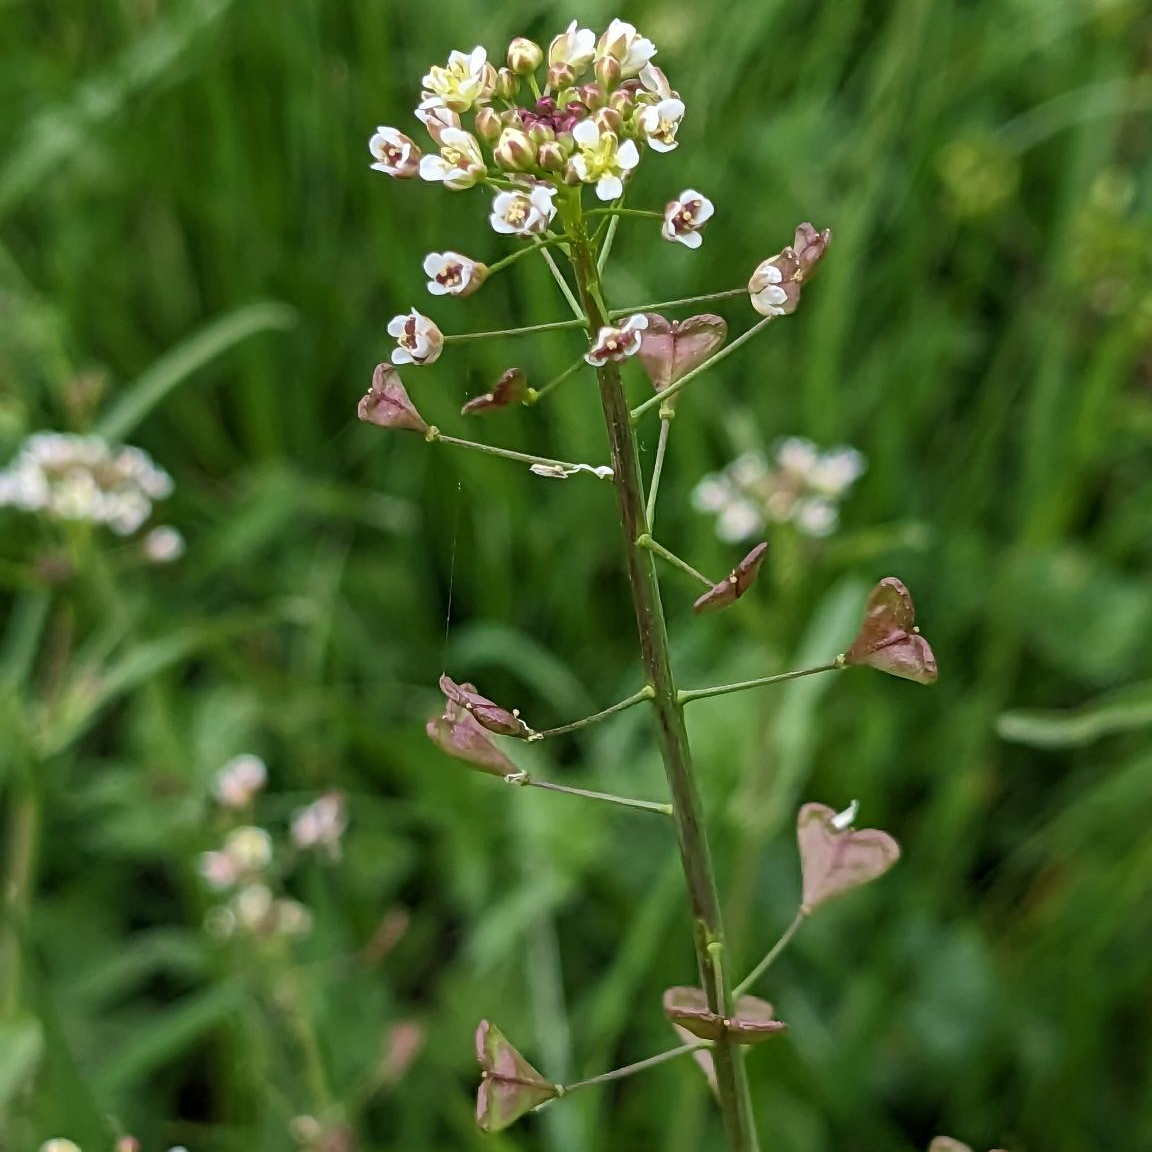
{"points": [[616, 213], [657, 472], [606, 797], [537, 394], [558, 276], [632, 1069], [725, 295], [646, 541], [742, 685], [773, 952], [520, 253], [712, 361], [552, 326], [23, 837], [645, 693], [672, 736], [606, 247], [434, 435]]}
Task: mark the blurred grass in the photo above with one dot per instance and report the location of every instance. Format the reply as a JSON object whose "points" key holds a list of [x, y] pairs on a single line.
{"points": [[980, 330]]}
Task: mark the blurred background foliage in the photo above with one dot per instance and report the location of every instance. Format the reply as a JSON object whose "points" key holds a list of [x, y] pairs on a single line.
{"points": [[187, 216]]}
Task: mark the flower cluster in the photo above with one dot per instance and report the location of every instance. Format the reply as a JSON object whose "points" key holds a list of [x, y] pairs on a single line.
{"points": [[242, 871], [602, 100], [124, 1144], [802, 485], [69, 477]]}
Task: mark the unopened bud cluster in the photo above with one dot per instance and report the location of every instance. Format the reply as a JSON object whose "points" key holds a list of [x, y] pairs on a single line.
{"points": [[244, 870]]}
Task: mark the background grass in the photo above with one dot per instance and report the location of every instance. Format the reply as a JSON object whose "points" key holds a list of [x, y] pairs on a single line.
{"points": [[186, 209]]}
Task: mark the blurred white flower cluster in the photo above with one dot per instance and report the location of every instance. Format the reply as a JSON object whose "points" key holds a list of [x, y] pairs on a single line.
{"points": [[242, 871], [69, 477], [124, 1144], [802, 484]]}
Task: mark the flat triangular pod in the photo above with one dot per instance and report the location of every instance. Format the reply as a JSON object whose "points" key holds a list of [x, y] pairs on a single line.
{"points": [[511, 388], [387, 404], [459, 734], [671, 349], [835, 860], [889, 639], [487, 712], [751, 1021], [739, 580], [510, 1086]]}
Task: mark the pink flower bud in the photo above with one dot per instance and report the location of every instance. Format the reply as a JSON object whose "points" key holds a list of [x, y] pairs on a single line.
{"points": [[515, 151], [551, 156], [560, 76], [387, 403], [608, 72], [507, 84], [489, 125]]}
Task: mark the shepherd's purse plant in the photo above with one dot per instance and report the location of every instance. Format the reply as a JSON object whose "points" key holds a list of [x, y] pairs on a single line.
{"points": [[551, 139]]}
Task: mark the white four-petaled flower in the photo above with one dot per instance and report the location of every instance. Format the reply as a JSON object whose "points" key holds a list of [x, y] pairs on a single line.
{"points": [[602, 160], [451, 274], [525, 213], [617, 343], [436, 119], [418, 340], [660, 122], [460, 163], [685, 216], [575, 47], [467, 79], [395, 153], [626, 46]]}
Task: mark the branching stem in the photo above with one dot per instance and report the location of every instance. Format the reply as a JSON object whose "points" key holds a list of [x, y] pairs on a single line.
{"points": [[434, 435], [645, 693], [523, 780], [632, 1069], [772, 954], [725, 295], [646, 541], [743, 685], [657, 472]]}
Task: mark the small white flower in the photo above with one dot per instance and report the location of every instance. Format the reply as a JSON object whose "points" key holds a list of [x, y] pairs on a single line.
{"points": [[523, 213], [249, 848], [768, 298], [617, 343], [574, 47], [164, 545], [395, 153], [436, 118], [602, 160], [660, 122], [451, 274], [253, 906], [460, 163], [654, 81], [467, 79], [836, 471], [816, 516], [217, 870], [739, 520], [685, 216], [238, 782], [844, 820], [59, 1144], [321, 824], [625, 45], [418, 340]]}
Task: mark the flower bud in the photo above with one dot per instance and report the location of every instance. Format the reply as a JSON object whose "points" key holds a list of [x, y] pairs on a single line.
{"points": [[608, 120], [515, 152], [551, 156], [560, 76], [622, 101], [541, 133], [608, 71], [592, 96], [488, 125], [524, 56], [507, 84]]}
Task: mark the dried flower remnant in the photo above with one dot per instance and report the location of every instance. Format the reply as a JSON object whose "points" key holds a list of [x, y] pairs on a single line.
{"points": [[836, 859], [418, 340], [487, 713], [752, 1020], [451, 274], [741, 578], [387, 404], [511, 388], [803, 485], [526, 213], [617, 343], [238, 783], [321, 825], [509, 1085], [84, 478], [395, 153], [889, 640], [685, 216]]}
